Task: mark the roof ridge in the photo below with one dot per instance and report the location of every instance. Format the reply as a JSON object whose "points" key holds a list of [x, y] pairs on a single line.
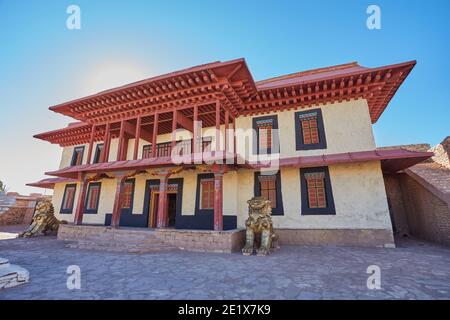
{"points": [[310, 71]]}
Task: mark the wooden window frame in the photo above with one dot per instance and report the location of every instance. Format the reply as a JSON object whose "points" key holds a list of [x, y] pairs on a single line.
{"points": [[300, 145], [75, 150], [130, 208], [95, 210], [305, 209], [275, 137], [200, 177], [68, 210], [98, 152], [278, 210]]}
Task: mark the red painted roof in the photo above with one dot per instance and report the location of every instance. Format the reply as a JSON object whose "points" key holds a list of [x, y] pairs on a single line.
{"points": [[49, 183], [139, 164], [311, 75], [391, 161]]}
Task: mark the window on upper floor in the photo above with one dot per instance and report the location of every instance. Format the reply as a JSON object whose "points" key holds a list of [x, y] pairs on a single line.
{"points": [[77, 156], [92, 197], [98, 156], [266, 140], [127, 194], [309, 130], [68, 198], [316, 192], [269, 187]]}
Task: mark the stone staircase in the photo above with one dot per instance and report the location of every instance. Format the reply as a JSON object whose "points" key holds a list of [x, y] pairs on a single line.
{"points": [[143, 240], [122, 240]]}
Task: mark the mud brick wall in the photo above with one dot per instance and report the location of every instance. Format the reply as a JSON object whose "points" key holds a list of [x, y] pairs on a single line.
{"points": [[428, 216], [396, 204], [14, 215]]}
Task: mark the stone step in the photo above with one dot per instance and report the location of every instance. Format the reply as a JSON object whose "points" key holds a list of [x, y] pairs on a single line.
{"points": [[122, 246]]}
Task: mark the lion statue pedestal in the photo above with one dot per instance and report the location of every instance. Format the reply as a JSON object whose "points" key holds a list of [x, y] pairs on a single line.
{"points": [[259, 224], [44, 220]]}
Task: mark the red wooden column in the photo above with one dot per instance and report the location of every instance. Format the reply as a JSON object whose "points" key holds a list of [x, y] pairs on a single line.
{"points": [[106, 144], [155, 134], [91, 143], [227, 123], [218, 200], [117, 208], [234, 136], [174, 129], [217, 126], [137, 137], [78, 218], [163, 219], [196, 140], [121, 141]]}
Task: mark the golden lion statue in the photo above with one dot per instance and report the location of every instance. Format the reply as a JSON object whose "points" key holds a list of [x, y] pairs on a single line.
{"points": [[44, 220], [258, 222]]}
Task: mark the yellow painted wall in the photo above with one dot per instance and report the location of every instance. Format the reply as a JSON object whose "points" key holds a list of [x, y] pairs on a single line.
{"points": [[358, 192], [347, 129]]}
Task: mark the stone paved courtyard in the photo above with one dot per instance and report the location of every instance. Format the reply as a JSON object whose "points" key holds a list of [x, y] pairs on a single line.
{"points": [[414, 270]]}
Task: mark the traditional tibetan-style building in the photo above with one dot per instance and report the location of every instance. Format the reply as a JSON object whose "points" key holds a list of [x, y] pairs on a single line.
{"points": [[186, 150]]}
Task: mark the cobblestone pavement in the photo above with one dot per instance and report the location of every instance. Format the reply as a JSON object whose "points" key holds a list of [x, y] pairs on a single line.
{"points": [[413, 270]]}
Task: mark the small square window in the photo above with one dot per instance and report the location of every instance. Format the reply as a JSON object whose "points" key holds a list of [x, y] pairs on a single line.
{"points": [[309, 130], [266, 140], [316, 192], [269, 187]]}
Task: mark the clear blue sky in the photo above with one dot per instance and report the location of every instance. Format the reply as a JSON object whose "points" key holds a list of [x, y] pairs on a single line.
{"points": [[43, 63]]}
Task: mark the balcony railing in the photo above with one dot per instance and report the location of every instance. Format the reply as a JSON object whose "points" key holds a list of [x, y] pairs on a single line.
{"points": [[182, 147]]}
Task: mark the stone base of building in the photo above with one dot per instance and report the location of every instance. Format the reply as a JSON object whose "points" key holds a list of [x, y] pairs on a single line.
{"points": [[144, 240], [337, 237]]}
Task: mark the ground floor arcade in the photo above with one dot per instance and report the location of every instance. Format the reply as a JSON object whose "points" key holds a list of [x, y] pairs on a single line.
{"points": [[346, 205]]}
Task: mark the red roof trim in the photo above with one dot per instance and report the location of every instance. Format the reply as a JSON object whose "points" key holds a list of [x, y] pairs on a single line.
{"points": [[395, 160], [49, 183]]}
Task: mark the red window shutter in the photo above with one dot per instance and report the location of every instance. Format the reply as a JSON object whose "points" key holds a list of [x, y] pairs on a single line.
{"points": [[78, 159], [268, 185], [93, 197], [265, 136], [316, 191], [68, 198], [314, 131], [207, 194], [310, 130], [127, 195], [100, 156]]}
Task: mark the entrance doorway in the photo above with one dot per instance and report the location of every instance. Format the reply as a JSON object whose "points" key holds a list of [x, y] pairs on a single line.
{"points": [[171, 208]]}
